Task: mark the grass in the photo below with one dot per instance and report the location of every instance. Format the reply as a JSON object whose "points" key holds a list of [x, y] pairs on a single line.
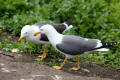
{"points": [[98, 19]]}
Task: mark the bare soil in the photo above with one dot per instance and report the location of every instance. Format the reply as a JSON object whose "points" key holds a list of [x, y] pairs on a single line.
{"points": [[23, 67]]}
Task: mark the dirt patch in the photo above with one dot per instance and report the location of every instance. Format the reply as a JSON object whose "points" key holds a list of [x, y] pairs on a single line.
{"points": [[22, 67]]}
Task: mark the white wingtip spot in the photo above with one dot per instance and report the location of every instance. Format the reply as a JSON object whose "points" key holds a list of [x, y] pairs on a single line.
{"points": [[116, 42]]}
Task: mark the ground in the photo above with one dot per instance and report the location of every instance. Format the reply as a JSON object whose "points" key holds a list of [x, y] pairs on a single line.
{"points": [[23, 67]]}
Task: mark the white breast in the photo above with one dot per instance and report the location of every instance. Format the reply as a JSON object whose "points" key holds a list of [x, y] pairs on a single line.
{"points": [[56, 39], [36, 39]]}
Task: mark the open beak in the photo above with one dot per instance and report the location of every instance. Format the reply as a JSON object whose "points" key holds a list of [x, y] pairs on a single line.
{"points": [[21, 38], [36, 33]]}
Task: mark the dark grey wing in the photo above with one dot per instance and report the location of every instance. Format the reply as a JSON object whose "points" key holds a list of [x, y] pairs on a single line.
{"points": [[44, 37], [74, 45], [40, 24], [62, 27], [59, 27]]}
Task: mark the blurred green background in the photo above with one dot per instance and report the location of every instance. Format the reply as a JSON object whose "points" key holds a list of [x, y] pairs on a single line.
{"points": [[92, 19]]}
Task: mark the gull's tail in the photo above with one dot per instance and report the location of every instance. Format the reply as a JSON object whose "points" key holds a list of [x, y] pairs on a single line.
{"points": [[108, 44], [105, 46], [68, 24]]}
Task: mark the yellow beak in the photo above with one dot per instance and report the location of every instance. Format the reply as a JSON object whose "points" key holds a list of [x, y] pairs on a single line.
{"points": [[36, 33], [21, 38]]}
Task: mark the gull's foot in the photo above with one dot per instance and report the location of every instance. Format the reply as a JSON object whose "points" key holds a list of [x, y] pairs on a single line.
{"points": [[75, 68], [40, 57], [36, 59], [57, 67]]}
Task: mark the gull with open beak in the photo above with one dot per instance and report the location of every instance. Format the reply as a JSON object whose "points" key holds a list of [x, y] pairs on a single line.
{"points": [[28, 31]]}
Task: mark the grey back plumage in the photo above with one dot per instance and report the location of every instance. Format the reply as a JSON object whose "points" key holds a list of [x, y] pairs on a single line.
{"points": [[40, 24], [74, 45], [59, 27]]}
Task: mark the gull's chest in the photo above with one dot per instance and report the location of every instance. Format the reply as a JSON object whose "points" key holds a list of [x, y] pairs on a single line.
{"points": [[36, 40], [55, 40]]}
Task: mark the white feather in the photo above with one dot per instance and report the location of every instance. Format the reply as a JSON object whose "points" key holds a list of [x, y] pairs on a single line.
{"points": [[67, 27], [53, 36], [102, 49], [86, 39], [99, 44]]}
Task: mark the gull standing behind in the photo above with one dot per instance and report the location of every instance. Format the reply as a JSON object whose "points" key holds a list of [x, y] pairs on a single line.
{"points": [[28, 31]]}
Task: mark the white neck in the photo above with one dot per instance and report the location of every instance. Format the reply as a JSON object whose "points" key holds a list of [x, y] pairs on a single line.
{"points": [[54, 37]]}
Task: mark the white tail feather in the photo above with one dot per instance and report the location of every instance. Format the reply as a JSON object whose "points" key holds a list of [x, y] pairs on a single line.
{"points": [[102, 49], [67, 27]]}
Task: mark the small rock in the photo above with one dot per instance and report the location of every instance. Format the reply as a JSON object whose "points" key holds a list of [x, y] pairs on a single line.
{"points": [[2, 64], [5, 70], [15, 51], [86, 70]]}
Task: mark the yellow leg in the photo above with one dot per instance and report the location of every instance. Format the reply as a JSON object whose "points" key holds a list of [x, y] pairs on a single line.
{"points": [[43, 56], [78, 65], [60, 67]]}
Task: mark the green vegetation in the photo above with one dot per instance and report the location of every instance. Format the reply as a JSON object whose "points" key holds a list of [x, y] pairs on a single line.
{"points": [[92, 19]]}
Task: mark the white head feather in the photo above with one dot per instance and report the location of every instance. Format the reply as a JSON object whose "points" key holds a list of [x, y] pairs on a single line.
{"points": [[28, 30]]}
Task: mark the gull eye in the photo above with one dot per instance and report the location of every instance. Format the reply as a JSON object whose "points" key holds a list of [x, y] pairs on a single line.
{"points": [[25, 32]]}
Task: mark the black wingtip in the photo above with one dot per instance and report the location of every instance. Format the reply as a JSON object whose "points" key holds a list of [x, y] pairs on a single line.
{"points": [[69, 22], [108, 44]]}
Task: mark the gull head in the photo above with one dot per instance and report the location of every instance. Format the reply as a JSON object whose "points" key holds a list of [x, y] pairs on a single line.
{"points": [[27, 31]]}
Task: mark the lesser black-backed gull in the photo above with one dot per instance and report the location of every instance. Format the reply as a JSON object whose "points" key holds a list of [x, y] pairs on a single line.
{"points": [[28, 30], [72, 46]]}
